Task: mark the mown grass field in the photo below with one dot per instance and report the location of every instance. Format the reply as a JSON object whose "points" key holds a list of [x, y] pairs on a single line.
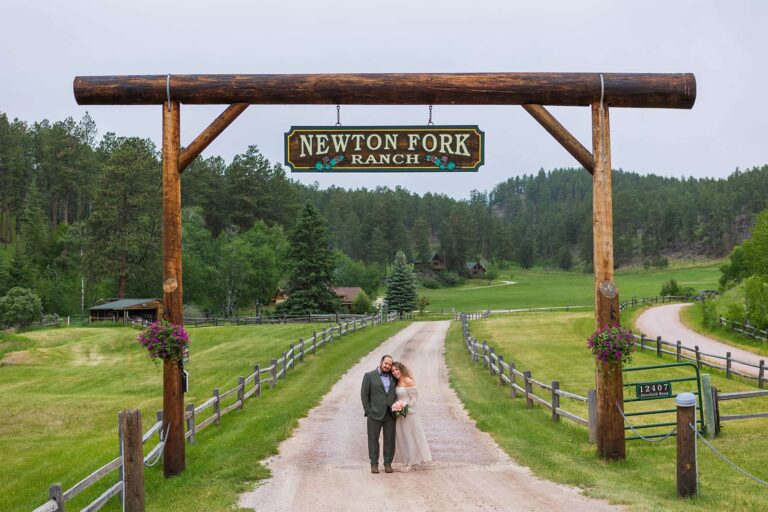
{"points": [[61, 391], [539, 288], [553, 347]]}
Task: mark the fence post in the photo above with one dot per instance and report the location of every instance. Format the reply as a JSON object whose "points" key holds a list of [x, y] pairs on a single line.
{"points": [[56, 494], [728, 365], [698, 357], [555, 400], [485, 351], [592, 411], [301, 350], [159, 417], [512, 380], [273, 376], [761, 375], [492, 352], [133, 461], [501, 370], [642, 342], [257, 378], [716, 400], [292, 350], [528, 389], [709, 405], [217, 407], [678, 350], [191, 423], [285, 366], [686, 445], [658, 346], [241, 392]]}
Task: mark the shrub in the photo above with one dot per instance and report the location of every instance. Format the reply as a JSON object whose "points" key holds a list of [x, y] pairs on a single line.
{"points": [[361, 305], [450, 278], [422, 303], [430, 282], [709, 313], [660, 262], [735, 312], [20, 307], [491, 273], [671, 288], [756, 301]]}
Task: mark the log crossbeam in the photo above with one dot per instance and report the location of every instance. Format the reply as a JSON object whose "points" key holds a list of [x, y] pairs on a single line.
{"points": [[562, 135], [209, 134]]}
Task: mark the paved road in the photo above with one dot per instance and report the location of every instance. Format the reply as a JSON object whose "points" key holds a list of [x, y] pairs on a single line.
{"points": [[664, 321], [324, 466]]}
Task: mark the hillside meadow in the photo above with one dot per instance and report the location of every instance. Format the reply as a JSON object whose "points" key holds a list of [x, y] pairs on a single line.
{"points": [[553, 347], [540, 288], [61, 391]]}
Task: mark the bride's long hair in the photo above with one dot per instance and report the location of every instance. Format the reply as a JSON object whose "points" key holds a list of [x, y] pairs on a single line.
{"points": [[404, 371]]}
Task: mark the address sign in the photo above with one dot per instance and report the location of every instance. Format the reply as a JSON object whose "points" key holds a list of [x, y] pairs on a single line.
{"points": [[384, 149]]}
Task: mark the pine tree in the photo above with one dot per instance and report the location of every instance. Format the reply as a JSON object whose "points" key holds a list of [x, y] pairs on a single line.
{"points": [[311, 264], [401, 286]]}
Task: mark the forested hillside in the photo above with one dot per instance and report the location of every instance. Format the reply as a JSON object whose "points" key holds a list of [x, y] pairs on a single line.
{"points": [[80, 220]]}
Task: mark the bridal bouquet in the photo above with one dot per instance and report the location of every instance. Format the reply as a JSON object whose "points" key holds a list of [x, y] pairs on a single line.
{"points": [[400, 408]]}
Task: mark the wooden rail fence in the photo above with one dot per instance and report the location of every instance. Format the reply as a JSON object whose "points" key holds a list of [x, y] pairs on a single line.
{"points": [[522, 383], [216, 406], [745, 329]]}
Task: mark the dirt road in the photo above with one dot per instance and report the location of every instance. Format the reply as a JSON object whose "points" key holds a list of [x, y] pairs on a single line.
{"points": [[664, 321], [324, 466]]}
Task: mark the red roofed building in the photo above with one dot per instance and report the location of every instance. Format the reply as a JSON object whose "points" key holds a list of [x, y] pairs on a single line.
{"points": [[347, 295]]}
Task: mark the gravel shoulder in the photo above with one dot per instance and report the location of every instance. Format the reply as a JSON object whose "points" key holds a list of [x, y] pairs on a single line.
{"points": [[324, 466]]}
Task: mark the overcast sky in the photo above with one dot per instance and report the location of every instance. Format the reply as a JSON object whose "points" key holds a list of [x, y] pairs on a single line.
{"points": [[46, 44]]}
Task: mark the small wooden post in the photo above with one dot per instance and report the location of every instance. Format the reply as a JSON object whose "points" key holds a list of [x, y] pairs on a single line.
{"points": [[217, 407], [658, 346], [257, 378], [761, 375], [716, 400], [285, 366], [501, 370], [528, 389], [314, 342], [686, 445], [555, 400], [592, 411], [301, 350], [191, 423], [642, 343], [709, 405], [273, 376], [292, 350], [491, 353], [512, 380], [241, 391], [698, 357], [678, 350], [133, 461], [159, 417], [56, 494], [728, 365]]}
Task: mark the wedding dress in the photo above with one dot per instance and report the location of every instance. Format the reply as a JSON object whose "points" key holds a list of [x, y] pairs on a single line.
{"points": [[410, 442]]}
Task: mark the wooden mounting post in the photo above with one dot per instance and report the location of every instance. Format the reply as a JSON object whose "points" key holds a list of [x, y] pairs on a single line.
{"points": [[608, 377], [173, 398], [133, 461], [686, 445]]}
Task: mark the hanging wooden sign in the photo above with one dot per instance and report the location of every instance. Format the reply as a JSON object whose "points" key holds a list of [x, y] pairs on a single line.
{"points": [[384, 149]]}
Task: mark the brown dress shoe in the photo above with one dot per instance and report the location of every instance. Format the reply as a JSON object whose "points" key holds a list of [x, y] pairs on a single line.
{"points": [[388, 468], [375, 469]]}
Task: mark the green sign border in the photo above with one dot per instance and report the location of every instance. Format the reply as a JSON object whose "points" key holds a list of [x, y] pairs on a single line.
{"points": [[425, 169]]}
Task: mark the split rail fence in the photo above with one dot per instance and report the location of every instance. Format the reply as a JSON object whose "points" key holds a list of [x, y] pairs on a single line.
{"points": [[745, 329], [246, 387], [522, 383]]}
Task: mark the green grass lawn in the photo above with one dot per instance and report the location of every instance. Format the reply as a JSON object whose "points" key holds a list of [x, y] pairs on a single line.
{"points": [[61, 395], [553, 347], [538, 288]]}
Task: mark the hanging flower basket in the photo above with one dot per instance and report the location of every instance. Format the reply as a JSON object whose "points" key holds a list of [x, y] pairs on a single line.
{"points": [[612, 344], [164, 340]]}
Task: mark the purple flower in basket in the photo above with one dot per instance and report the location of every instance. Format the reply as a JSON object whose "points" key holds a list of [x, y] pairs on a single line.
{"points": [[164, 340], [612, 344]]}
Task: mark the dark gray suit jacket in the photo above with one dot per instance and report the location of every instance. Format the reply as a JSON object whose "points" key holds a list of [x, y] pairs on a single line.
{"points": [[376, 401]]}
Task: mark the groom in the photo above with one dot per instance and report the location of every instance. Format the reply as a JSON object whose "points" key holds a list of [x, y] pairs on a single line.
{"points": [[378, 395]]}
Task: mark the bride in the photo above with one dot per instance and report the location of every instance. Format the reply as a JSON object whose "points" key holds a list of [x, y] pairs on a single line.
{"points": [[410, 442]]}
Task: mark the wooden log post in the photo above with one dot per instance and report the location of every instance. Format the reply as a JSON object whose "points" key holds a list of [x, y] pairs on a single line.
{"points": [[285, 366], [658, 346], [728, 363], [501, 370], [133, 461], [716, 400], [555, 400], [698, 357], [191, 423], [592, 415], [241, 391], [491, 353], [216, 407], [512, 380], [257, 378], [273, 375], [761, 375], [678, 350], [301, 350], [174, 458], [608, 377], [528, 389], [56, 494], [686, 445], [642, 343], [709, 405]]}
